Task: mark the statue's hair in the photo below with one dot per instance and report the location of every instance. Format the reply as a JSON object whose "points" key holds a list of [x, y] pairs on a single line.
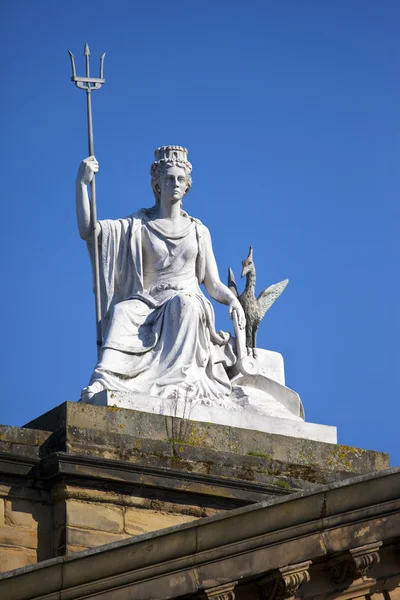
{"points": [[159, 167]]}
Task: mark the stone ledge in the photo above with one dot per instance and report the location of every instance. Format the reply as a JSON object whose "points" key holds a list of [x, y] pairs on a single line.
{"points": [[159, 502], [244, 545], [98, 469], [138, 436], [188, 458]]}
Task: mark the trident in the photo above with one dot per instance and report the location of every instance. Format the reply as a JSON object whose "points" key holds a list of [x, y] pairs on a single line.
{"points": [[89, 84]]}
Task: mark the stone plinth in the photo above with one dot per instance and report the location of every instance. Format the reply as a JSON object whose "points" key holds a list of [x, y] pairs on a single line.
{"points": [[247, 417], [159, 440], [81, 476]]}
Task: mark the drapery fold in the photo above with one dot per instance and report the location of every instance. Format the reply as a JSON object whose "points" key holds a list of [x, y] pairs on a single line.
{"points": [[161, 340]]}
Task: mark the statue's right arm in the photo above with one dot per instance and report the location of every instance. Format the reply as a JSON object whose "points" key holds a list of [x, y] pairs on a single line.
{"points": [[86, 171]]}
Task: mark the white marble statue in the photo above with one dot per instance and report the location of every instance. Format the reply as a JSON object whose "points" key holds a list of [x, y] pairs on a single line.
{"points": [[160, 351], [158, 327]]}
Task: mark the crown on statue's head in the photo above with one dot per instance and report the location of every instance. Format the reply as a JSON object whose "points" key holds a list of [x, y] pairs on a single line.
{"points": [[171, 154]]}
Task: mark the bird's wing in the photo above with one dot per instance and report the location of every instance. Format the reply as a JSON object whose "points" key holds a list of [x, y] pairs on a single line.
{"points": [[267, 297], [232, 283]]}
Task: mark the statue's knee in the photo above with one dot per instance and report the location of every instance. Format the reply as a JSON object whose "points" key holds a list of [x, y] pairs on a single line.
{"points": [[118, 310], [185, 302]]}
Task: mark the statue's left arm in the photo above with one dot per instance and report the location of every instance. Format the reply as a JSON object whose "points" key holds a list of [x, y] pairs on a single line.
{"points": [[213, 284]]}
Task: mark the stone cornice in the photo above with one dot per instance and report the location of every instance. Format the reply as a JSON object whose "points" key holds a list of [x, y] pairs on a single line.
{"points": [[61, 463], [245, 544], [78, 467], [14, 464]]}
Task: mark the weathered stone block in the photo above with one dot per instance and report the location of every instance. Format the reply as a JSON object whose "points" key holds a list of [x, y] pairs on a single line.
{"points": [[76, 548], [1, 512], [4, 490], [139, 521], [22, 441], [26, 514], [11, 536], [191, 510], [101, 517], [65, 492], [90, 539], [26, 437], [13, 558]]}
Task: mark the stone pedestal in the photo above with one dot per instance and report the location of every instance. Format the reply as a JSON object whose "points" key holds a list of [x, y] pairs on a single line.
{"points": [[81, 476]]}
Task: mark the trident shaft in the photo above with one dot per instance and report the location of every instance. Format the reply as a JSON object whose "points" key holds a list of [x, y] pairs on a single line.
{"points": [[90, 84]]}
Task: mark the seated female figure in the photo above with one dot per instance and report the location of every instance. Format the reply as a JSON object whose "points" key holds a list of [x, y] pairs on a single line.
{"points": [[158, 327]]}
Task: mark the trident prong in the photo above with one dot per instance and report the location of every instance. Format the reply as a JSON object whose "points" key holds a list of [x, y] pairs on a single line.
{"points": [[102, 65], [86, 53], [88, 84], [72, 57]]}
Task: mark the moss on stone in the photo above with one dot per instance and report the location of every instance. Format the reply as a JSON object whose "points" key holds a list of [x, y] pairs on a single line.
{"points": [[260, 454], [282, 484]]}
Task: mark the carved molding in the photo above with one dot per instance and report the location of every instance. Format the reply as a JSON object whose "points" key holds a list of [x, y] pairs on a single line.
{"points": [[355, 563], [221, 592], [284, 583]]}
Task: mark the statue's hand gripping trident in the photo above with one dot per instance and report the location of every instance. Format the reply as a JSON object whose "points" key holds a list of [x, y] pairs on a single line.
{"points": [[89, 84]]}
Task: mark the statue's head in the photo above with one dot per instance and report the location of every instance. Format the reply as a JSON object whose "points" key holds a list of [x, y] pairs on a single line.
{"points": [[170, 160]]}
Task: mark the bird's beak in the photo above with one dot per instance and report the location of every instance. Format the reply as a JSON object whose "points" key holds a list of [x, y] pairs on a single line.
{"points": [[244, 271]]}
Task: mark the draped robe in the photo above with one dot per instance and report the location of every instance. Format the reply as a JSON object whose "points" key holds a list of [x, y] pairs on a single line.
{"points": [[158, 327]]}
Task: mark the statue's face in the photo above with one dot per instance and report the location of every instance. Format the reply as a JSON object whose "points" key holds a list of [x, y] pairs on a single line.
{"points": [[173, 183]]}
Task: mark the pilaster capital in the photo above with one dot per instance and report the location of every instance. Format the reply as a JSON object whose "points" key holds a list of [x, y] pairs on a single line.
{"points": [[284, 583], [354, 563], [221, 592]]}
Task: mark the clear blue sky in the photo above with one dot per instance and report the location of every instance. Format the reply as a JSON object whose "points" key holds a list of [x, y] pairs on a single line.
{"points": [[290, 111]]}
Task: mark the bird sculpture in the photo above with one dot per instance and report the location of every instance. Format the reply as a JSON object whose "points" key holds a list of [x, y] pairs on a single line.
{"points": [[254, 308]]}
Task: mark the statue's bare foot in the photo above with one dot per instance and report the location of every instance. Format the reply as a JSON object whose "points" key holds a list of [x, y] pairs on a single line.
{"points": [[88, 392]]}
